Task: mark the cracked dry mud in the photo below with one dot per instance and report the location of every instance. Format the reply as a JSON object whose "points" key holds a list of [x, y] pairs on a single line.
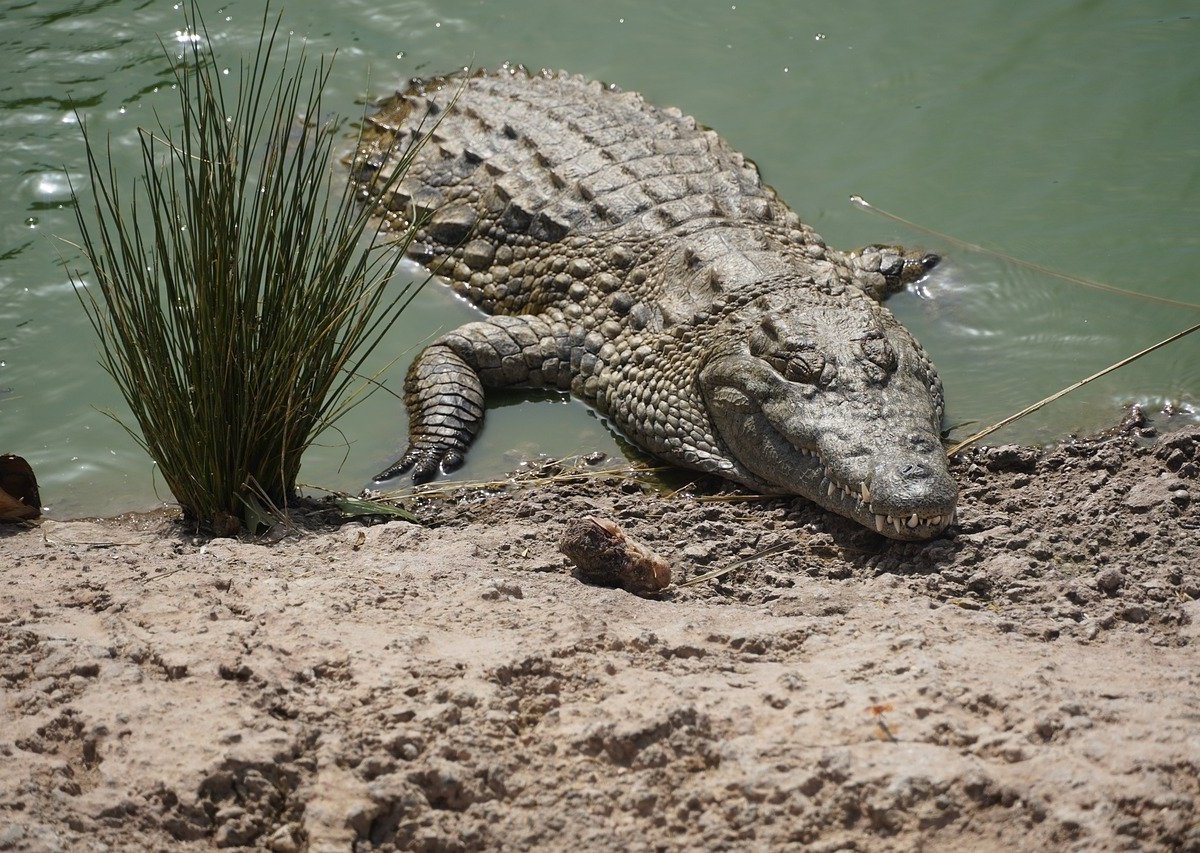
{"points": [[1028, 681]]}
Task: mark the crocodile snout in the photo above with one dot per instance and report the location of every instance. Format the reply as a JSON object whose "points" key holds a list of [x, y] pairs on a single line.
{"points": [[921, 486]]}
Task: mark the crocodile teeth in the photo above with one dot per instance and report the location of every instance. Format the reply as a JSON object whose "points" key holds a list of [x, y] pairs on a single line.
{"points": [[865, 492], [832, 488], [913, 521]]}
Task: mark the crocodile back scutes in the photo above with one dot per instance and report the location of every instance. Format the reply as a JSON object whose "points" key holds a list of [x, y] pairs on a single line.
{"points": [[520, 163]]}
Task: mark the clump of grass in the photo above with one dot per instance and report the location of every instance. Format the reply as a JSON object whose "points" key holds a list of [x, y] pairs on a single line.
{"points": [[240, 285]]}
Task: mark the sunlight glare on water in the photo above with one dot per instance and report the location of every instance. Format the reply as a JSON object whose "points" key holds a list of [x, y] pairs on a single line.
{"points": [[1064, 134]]}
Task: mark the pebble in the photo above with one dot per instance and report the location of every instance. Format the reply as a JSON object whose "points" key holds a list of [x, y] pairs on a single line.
{"points": [[283, 840], [1151, 492], [1135, 614], [1110, 580], [10, 835], [496, 590]]}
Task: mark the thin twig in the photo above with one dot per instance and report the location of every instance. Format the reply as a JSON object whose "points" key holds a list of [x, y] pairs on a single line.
{"points": [[631, 472], [774, 549], [733, 498], [975, 247], [1031, 409]]}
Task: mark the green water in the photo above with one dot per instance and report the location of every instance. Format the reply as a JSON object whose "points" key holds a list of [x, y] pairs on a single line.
{"points": [[1064, 133]]}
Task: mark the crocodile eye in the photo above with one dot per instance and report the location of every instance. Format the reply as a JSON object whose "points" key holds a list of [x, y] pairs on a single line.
{"points": [[797, 362], [880, 353], [808, 368], [802, 367], [793, 354]]}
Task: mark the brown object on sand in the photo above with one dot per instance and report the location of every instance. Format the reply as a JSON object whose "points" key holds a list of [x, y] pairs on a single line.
{"points": [[608, 556], [19, 498]]}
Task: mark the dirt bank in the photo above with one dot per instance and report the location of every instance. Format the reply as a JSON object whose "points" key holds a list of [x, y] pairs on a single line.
{"points": [[1029, 680]]}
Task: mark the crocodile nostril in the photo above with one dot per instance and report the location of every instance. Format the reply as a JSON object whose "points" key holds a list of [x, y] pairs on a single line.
{"points": [[915, 471], [921, 443]]}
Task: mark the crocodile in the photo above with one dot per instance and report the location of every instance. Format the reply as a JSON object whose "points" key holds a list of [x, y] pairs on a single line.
{"points": [[630, 256]]}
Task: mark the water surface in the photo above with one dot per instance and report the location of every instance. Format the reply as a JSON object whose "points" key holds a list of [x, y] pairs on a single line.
{"points": [[1064, 133]]}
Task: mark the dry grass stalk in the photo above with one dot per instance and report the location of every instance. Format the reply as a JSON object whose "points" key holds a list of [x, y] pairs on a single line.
{"points": [[1030, 265], [736, 564], [1028, 410], [579, 470]]}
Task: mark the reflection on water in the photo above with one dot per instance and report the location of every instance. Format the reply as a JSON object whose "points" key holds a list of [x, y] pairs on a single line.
{"points": [[1064, 135]]}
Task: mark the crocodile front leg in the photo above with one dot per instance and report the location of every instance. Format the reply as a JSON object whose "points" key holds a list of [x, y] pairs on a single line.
{"points": [[444, 387]]}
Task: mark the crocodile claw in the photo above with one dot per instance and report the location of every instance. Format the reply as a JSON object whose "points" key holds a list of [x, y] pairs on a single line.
{"points": [[425, 464]]}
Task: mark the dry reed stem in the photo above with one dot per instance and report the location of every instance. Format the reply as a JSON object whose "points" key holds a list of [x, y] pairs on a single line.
{"points": [[1030, 265], [1028, 410]]}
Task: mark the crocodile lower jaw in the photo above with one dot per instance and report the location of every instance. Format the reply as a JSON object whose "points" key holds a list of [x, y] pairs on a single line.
{"points": [[858, 504]]}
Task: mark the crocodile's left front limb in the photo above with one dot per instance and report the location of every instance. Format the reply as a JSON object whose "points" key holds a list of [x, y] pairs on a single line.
{"points": [[444, 388]]}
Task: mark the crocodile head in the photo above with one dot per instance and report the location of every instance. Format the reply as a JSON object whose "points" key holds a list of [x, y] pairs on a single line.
{"points": [[829, 397]]}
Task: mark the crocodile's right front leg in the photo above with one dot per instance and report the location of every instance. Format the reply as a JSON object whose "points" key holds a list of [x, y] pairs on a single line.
{"points": [[443, 390]]}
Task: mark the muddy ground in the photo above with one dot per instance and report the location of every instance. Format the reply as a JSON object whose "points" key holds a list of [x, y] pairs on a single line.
{"points": [[1029, 680]]}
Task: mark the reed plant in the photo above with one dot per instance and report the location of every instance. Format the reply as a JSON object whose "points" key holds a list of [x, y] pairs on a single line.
{"points": [[239, 284]]}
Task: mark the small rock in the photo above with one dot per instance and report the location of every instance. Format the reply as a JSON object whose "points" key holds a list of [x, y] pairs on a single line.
{"points": [[283, 840], [1012, 457], [1135, 614], [1150, 492], [359, 817], [234, 672], [237, 831], [992, 533], [497, 590], [699, 552], [1039, 550], [1175, 459], [980, 583], [1110, 580]]}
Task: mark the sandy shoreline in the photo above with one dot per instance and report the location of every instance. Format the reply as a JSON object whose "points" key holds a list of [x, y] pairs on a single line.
{"points": [[1030, 680]]}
